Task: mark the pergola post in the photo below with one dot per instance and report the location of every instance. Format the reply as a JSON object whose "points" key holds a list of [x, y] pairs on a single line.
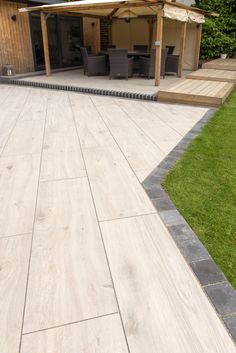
{"points": [[182, 47], [45, 43], [198, 44], [158, 44]]}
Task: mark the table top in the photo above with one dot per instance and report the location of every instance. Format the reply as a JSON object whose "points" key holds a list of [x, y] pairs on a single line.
{"points": [[130, 53]]}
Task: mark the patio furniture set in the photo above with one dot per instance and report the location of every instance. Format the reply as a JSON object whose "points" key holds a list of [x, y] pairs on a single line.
{"points": [[121, 63]]}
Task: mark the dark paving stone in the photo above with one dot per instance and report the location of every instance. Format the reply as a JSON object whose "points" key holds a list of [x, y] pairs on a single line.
{"points": [[207, 272], [208, 114], [181, 232], [193, 250], [163, 204], [191, 135], [153, 190], [157, 176], [176, 153], [183, 144], [172, 217], [223, 297], [230, 322], [168, 162]]}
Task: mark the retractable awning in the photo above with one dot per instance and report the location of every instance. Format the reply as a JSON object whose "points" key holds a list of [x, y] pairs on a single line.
{"points": [[111, 8]]}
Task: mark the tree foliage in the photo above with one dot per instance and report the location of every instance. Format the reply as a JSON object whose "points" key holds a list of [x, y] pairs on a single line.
{"points": [[219, 33]]}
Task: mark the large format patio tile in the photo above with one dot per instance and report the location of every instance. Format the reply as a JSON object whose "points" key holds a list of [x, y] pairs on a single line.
{"points": [[149, 123], [69, 278], [35, 107], [100, 335], [18, 186], [10, 110], [163, 306], [26, 138], [139, 150], [116, 190], [62, 157], [14, 260], [91, 129]]}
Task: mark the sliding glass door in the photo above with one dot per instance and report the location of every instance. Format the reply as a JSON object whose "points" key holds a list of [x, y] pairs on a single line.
{"points": [[65, 36]]}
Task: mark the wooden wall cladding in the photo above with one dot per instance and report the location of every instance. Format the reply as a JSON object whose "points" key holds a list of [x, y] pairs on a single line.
{"points": [[15, 39], [91, 29]]}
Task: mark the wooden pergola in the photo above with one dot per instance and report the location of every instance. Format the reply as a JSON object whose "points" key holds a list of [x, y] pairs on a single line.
{"points": [[142, 8]]}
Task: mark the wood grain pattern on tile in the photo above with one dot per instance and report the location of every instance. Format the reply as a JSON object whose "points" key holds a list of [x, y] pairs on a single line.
{"points": [[69, 278]]}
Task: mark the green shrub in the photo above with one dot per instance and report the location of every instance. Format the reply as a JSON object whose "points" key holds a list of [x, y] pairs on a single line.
{"points": [[219, 33]]}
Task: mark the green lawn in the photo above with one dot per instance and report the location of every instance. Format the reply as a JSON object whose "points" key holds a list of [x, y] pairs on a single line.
{"points": [[203, 187]]}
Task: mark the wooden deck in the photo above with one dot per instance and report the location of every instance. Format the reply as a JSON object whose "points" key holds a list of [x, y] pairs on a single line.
{"points": [[197, 92], [221, 64], [213, 75]]}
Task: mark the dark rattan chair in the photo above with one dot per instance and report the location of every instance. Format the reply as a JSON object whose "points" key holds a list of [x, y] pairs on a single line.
{"points": [[93, 65], [172, 64], [89, 49], [147, 65], [171, 49], [140, 48], [120, 64]]}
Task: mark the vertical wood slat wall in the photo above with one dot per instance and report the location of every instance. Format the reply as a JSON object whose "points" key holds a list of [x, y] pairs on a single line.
{"points": [[91, 29], [15, 38]]}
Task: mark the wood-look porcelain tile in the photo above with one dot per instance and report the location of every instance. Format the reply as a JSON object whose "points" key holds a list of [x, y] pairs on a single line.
{"points": [[100, 335], [14, 260], [139, 150], [69, 278], [116, 190], [163, 307], [18, 187]]}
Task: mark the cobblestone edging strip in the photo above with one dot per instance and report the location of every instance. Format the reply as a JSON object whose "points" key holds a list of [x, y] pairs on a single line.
{"points": [[85, 90], [216, 286]]}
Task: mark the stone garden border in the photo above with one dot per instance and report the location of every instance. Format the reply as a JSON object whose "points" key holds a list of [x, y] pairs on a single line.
{"points": [[219, 291]]}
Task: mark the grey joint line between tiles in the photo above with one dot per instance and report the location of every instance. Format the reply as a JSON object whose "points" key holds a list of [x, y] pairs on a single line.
{"points": [[219, 291], [83, 90]]}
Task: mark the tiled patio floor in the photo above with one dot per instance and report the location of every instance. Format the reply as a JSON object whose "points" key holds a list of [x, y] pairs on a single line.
{"points": [[87, 265], [135, 84]]}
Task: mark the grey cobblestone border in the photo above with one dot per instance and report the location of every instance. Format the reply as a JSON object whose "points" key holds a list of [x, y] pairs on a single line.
{"points": [[216, 286], [85, 90]]}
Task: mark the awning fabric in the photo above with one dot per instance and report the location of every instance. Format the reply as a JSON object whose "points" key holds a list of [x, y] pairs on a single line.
{"points": [[174, 11]]}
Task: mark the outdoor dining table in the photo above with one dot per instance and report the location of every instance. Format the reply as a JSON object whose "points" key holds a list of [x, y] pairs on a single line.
{"points": [[135, 54]]}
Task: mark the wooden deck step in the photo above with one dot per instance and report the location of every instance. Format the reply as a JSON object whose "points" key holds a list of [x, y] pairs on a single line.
{"points": [[197, 92], [221, 64], [213, 75]]}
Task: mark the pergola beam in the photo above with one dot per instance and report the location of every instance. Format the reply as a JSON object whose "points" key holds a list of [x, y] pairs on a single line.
{"points": [[45, 43], [158, 44]]}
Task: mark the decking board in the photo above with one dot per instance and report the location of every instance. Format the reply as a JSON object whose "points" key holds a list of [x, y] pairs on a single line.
{"points": [[221, 64], [213, 75], [199, 92]]}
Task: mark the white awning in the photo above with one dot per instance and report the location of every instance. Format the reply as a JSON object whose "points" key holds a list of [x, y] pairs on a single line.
{"points": [[182, 15], [103, 8]]}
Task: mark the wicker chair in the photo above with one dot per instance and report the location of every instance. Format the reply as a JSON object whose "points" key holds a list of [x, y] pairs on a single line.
{"points": [[140, 48], [111, 46], [89, 49], [147, 65], [93, 65], [172, 64], [120, 64], [171, 49]]}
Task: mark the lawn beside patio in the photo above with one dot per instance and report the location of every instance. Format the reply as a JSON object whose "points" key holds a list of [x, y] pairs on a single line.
{"points": [[203, 187]]}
